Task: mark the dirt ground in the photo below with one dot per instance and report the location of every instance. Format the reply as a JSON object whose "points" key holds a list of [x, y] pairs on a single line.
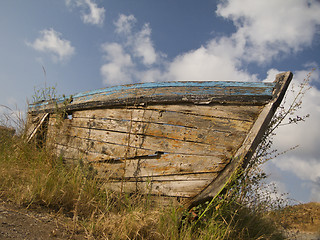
{"points": [[34, 224], [301, 222]]}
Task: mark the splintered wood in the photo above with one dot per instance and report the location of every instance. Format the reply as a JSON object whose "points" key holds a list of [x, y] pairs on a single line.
{"points": [[170, 150]]}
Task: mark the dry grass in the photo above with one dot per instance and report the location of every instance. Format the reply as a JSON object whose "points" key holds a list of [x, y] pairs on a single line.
{"points": [[301, 217], [32, 176]]}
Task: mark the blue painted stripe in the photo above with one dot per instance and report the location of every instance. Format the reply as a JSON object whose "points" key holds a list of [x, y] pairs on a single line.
{"points": [[175, 84], [206, 88]]}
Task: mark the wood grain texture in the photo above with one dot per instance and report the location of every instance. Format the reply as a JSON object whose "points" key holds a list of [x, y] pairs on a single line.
{"points": [[34, 124], [253, 138], [170, 143], [163, 93], [174, 139]]}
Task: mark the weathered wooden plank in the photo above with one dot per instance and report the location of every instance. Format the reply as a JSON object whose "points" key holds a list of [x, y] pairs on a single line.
{"points": [[69, 154], [159, 165], [140, 130], [144, 164], [169, 178], [86, 139], [103, 150], [160, 130], [182, 185], [184, 188], [58, 129], [252, 140], [167, 117], [234, 112], [95, 139], [169, 92], [80, 138], [34, 124], [203, 87]]}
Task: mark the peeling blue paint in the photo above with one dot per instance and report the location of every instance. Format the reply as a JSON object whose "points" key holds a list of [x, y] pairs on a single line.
{"points": [[192, 88], [220, 84]]}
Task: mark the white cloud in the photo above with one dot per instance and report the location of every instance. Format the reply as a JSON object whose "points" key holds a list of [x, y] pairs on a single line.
{"points": [[150, 75], [315, 191], [202, 64], [305, 134], [264, 30], [143, 46], [91, 13], [51, 42], [303, 161], [139, 43], [125, 23], [271, 27], [133, 60], [118, 70], [216, 61], [95, 15], [305, 170]]}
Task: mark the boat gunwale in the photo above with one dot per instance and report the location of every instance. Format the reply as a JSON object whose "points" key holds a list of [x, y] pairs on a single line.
{"points": [[183, 92]]}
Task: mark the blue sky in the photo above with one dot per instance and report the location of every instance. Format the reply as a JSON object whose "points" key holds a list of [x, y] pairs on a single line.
{"points": [[88, 44]]}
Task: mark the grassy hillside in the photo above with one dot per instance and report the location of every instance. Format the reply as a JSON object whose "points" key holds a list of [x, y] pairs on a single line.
{"points": [[299, 218]]}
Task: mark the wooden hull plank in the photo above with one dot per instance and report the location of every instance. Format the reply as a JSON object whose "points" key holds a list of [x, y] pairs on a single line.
{"points": [[186, 188], [95, 140], [170, 146], [168, 118], [234, 112], [162, 165], [187, 134], [158, 164]]}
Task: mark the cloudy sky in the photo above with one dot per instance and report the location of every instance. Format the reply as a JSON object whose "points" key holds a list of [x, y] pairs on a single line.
{"points": [[79, 45]]}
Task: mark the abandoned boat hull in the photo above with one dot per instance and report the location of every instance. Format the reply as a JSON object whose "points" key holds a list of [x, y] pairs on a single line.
{"points": [[175, 139]]}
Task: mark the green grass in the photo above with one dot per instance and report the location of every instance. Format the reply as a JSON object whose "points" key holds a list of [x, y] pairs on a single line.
{"points": [[34, 176]]}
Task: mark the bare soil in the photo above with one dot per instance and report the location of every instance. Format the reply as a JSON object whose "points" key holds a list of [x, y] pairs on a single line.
{"points": [[299, 222], [18, 222]]}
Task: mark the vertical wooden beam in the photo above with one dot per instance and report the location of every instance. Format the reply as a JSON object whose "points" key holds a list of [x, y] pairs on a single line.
{"points": [[33, 131], [245, 152]]}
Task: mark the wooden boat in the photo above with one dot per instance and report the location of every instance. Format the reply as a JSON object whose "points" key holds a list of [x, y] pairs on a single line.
{"points": [[171, 139]]}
